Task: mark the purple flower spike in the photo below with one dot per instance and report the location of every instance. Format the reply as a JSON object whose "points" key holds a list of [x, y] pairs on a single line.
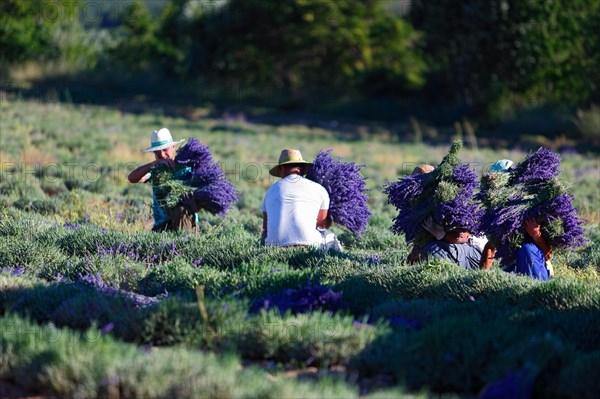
{"points": [[107, 328], [212, 190], [301, 300], [531, 191], [446, 194], [542, 165], [346, 188]]}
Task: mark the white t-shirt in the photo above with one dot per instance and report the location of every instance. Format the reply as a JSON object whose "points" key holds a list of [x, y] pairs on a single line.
{"points": [[292, 205]]}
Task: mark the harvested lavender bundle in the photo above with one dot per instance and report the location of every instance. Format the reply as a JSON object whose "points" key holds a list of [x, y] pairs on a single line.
{"points": [[168, 188], [346, 188], [530, 190], [212, 192], [446, 194], [216, 197]]}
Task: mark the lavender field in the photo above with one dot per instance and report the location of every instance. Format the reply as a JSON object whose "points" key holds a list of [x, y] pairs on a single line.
{"points": [[94, 304]]}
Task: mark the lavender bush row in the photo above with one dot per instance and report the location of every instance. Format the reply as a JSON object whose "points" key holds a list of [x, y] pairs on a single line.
{"points": [[346, 189]]}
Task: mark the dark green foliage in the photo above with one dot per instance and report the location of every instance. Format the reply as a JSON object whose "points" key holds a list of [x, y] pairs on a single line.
{"points": [[580, 379], [485, 50], [23, 36], [298, 47]]}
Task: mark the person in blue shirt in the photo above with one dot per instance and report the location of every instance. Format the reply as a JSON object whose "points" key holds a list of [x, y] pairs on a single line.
{"points": [[533, 258], [183, 216]]}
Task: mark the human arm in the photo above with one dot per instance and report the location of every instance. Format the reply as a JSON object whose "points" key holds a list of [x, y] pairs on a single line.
{"points": [[140, 174], [416, 255], [433, 228], [487, 256], [263, 237], [534, 230], [323, 219]]}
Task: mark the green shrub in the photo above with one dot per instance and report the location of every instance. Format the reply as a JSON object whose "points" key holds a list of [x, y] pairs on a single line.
{"points": [[179, 321], [38, 259], [176, 276], [43, 206], [315, 338], [90, 365]]}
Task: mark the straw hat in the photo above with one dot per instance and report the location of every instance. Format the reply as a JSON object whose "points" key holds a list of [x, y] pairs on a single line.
{"points": [[288, 157], [421, 169], [161, 139]]}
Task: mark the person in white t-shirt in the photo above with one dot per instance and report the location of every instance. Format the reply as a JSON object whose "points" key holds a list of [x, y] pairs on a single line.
{"points": [[295, 208]]}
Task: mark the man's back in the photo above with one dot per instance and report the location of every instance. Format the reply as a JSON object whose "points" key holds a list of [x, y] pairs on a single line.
{"points": [[464, 255], [292, 205]]}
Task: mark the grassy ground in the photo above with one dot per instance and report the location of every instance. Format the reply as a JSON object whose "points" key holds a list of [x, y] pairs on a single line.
{"points": [[93, 304]]}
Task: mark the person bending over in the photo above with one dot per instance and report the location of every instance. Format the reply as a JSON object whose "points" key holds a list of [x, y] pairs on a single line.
{"points": [[184, 215]]}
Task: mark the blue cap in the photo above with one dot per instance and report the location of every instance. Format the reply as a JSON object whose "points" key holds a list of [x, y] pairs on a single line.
{"points": [[502, 165]]}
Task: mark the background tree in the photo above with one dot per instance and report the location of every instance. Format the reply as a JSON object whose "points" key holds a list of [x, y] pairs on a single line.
{"points": [[483, 50]]}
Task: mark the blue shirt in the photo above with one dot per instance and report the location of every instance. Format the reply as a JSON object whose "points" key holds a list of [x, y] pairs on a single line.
{"points": [[530, 262]]}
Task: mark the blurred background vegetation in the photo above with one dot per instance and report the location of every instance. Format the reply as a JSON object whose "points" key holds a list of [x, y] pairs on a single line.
{"points": [[522, 70]]}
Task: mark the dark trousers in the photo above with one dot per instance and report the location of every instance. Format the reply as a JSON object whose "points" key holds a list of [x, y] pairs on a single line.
{"points": [[181, 219]]}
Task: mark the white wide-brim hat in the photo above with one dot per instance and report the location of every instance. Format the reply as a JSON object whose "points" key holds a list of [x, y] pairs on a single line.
{"points": [[161, 139]]}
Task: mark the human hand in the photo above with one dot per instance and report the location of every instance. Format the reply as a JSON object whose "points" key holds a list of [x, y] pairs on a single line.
{"points": [[189, 202], [533, 228], [433, 228]]}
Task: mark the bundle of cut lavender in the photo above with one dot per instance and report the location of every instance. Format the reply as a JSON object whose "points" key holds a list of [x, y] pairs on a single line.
{"points": [[446, 194], [195, 171], [346, 188], [532, 189]]}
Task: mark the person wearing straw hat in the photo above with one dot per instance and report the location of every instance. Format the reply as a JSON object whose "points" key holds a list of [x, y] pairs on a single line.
{"points": [[295, 208], [183, 216]]}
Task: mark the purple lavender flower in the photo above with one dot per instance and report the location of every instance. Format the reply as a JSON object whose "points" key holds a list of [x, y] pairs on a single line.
{"points": [[464, 176], [72, 225], [533, 191], [17, 271], [447, 194], [301, 300], [403, 193], [373, 259], [197, 262], [346, 188], [560, 212], [136, 300], [212, 190], [216, 197], [542, 165], [95, 280], [107, 328], [459, 213]]}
